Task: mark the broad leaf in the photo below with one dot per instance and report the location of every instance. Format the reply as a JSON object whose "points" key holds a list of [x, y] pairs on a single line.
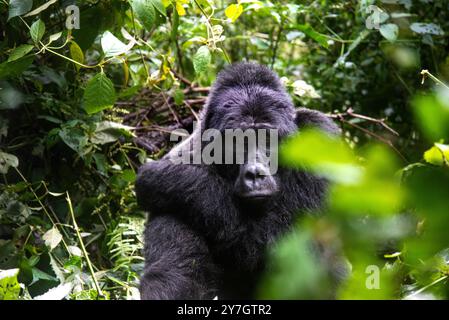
{"points": [[145, 12], [108, 131], [427, 28], [438, 154], [19, 7], [312, 33], [9, 286], [9, 69], [201, 60], [233, 11], [6, 161], [112, 46], [37, 30], [99, 94], [20, 51], [389, 31], [52, 238], [76, 54]]}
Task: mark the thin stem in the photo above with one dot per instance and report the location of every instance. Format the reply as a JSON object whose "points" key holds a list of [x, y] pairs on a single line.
{"points": [[425, 73], [140, 50], [83, 248], [425, 288]]}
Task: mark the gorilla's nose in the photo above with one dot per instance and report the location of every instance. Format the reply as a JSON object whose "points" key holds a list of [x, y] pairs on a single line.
{"points": [[255, 182], [254, 174]]}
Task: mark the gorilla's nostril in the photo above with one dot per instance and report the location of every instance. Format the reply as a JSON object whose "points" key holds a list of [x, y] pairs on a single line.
{"points": [[250, 175], [253, 173]]}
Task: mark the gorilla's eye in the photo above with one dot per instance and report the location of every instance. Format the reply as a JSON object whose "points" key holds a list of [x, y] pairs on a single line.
{"points": [[227, 105]]}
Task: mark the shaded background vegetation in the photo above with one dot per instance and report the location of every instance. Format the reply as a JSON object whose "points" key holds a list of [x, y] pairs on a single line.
{"points": [[81, 109]]}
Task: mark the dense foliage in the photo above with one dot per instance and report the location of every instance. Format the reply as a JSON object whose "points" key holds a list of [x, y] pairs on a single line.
{"points": [[85, 99]]}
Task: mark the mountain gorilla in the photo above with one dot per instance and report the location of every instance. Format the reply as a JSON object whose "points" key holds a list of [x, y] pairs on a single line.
{"points": [[210, 225]]}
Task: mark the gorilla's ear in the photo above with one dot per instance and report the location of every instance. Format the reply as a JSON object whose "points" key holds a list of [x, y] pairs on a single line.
{"points": [[306, 117]]}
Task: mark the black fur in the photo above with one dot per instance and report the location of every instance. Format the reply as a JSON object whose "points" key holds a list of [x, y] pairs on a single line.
{"points": [[200, 240]]}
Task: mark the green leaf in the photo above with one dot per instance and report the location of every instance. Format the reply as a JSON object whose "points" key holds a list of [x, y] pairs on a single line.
{"points": [[432, 114], [10, 69], [54, 37], [108, 131], [145, 12], [312, 33], [75, 138], [99, 94], [6, 161], [20, 51], [437, 155], [322, 154], [37, 30], [19, 7], [159, 6], [52, 238], [201, 60], [233, 11], [389, 31], [178, 97], [112, 46], [76, 54], [41, 275], [9, 286]]}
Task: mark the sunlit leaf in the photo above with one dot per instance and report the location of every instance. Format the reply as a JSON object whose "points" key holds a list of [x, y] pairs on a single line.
{"points": [[57, 293], [201, 60], [52, 238], [389, 31], [432, 114], [6, 161], [9, 286], [438, 154], [322, 154], [233, 11], [112, 46]]}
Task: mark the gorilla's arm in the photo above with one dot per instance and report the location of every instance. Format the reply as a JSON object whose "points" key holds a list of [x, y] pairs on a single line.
{"points": [[307, 117], [178, 263], [163, 187]]}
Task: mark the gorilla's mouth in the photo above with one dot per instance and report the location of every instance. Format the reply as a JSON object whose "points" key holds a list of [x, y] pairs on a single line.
{"points": [[257, 195]]}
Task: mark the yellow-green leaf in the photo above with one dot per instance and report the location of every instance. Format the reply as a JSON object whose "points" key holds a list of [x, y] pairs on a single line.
{"points": [[233, 11], [9, 286], [180, 9], [437, 155], [76, 54]]}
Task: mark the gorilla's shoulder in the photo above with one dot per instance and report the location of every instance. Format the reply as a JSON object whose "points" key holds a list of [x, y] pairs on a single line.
{"points": [[247, 74]]}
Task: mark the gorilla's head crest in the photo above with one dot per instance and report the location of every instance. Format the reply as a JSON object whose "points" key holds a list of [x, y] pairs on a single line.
{"points": [[247, 95]]}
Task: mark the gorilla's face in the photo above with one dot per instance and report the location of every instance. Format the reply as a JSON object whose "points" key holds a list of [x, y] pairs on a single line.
{"points": [[259, 110]]}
